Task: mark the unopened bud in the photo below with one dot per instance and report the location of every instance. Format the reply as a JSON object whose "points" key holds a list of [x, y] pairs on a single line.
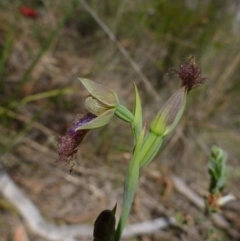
{"points": [[169, 116]]}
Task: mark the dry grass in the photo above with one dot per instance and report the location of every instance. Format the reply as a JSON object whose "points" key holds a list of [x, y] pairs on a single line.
{"points": [[31, 121]]}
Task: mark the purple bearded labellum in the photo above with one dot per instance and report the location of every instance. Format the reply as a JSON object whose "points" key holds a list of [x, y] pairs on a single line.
{"points": [[68, 145]]}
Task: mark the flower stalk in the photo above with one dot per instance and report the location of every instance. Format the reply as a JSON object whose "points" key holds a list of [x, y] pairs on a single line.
{"points": [[102, 104]]}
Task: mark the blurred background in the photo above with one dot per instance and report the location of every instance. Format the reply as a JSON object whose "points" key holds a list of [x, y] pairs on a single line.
{"points": [[44, 49]]}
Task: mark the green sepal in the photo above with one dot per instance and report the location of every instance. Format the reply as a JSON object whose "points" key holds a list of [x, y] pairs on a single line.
{"points": [[101, 92], [99, 121]]}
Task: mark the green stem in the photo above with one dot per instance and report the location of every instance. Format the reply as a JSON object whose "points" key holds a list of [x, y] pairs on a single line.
{"points": [[130, 186], [123, 113]]}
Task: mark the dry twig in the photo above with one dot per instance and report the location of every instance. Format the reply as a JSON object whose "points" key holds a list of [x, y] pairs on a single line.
{"points": [[123, 51], [49, 231], [218, 220]]}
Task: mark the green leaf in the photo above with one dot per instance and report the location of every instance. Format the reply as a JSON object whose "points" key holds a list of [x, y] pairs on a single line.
{"points": [[114, 209], [212, 168], [217, 170], [221, 183], [137, 112], [104, 226]]}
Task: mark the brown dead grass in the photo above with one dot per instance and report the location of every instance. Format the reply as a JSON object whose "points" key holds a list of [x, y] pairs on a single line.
{"points": [[97, 179]]}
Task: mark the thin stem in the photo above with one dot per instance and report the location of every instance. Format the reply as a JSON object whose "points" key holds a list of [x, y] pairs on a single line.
{"points": [[130, 186]]}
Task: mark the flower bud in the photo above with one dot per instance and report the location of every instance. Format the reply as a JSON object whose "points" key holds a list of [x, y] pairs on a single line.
{"points": [[168, 117]]}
